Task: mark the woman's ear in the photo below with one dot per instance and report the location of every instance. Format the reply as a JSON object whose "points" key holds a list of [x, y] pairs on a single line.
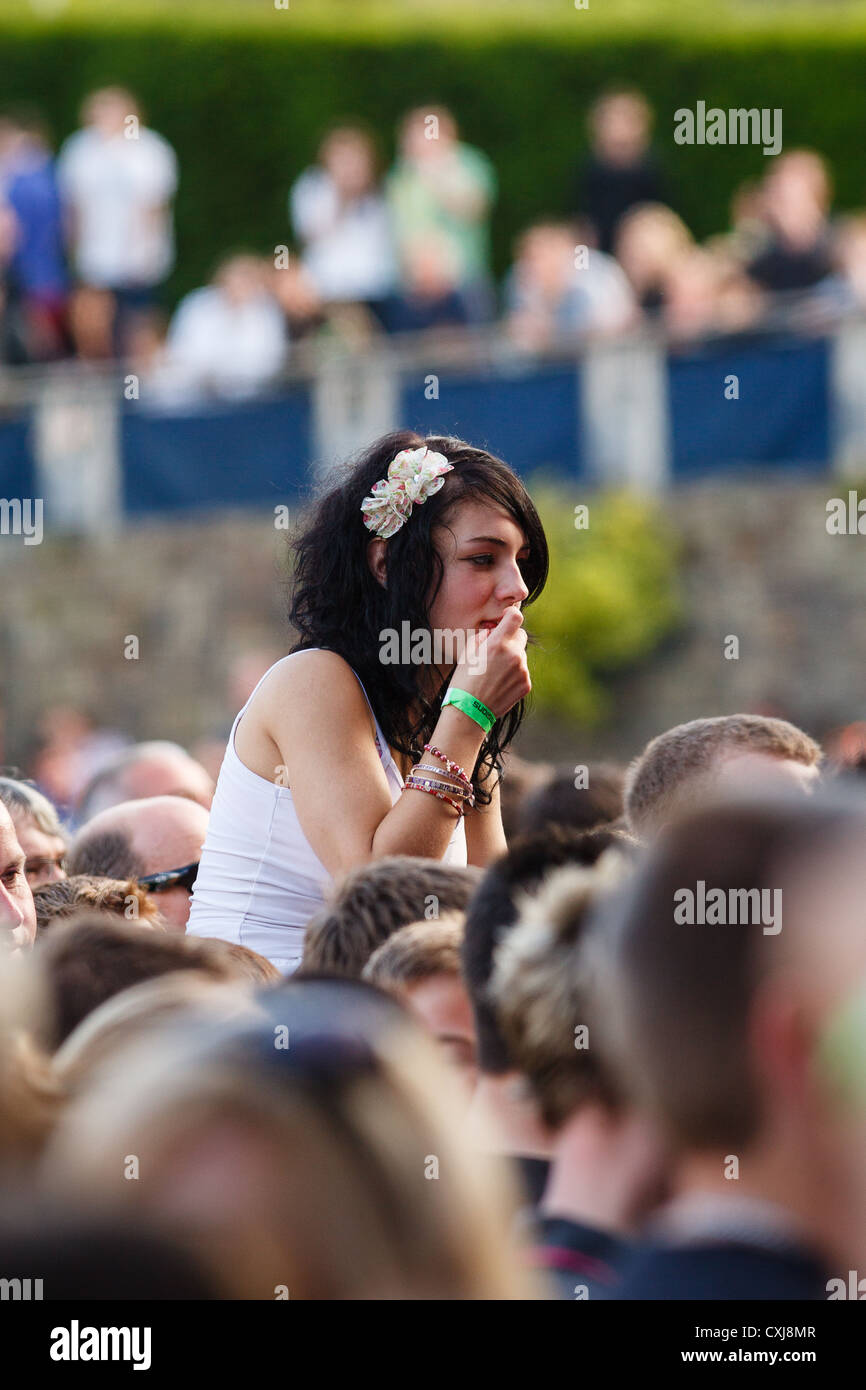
{"points": [[377, 551]]}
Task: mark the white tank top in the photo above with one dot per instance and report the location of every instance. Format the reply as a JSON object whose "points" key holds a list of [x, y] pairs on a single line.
{"points": [[259, 880]]}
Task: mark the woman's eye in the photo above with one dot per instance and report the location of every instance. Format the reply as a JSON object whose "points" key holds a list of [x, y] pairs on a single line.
{"points": [[481, 559]]}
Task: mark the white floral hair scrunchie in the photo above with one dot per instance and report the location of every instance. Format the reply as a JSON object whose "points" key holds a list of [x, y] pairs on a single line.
{"points": [[413, 476]]}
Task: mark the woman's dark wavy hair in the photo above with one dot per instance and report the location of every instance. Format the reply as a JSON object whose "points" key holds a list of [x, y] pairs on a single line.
{"points": [[338, 604]]}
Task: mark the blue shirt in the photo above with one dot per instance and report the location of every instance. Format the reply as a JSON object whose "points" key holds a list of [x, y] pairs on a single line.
{"points": [[38, 265]]}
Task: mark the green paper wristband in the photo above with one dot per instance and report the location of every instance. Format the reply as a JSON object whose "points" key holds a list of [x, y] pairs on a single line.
{"points": [[462, 700]]}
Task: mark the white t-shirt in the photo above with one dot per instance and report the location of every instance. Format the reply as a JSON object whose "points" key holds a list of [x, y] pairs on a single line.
{"points": [[120, 191], [349, 251], [232, 349]]}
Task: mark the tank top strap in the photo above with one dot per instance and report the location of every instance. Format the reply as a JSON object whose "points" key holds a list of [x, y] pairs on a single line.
{"points": [[384, 751]]}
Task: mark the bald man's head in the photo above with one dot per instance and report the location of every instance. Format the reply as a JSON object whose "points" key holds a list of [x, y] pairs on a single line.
{"points": [[138, 838], [156, 768]]}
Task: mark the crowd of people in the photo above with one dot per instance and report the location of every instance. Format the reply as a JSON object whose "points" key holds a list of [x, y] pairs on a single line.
{"points": [[86, 245], [534, 1080], [377, 1009]]}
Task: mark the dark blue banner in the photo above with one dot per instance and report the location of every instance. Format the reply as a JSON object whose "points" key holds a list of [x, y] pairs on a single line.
{"points": [[776, 413], [17, 470], [530, 420], [223, 456]]}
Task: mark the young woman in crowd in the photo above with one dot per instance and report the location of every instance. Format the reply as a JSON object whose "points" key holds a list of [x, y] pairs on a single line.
{"points": [[382, 732]]}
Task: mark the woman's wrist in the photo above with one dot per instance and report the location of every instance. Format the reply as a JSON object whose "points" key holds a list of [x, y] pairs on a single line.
{"points": [[470, 705], [458, 736]]}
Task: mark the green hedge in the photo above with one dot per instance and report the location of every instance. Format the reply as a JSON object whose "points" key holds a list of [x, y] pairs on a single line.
{"points": [[244, 108], [613, 594]]}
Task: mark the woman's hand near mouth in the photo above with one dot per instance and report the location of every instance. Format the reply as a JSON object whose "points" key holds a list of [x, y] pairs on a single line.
{"points": [[498, 675]]}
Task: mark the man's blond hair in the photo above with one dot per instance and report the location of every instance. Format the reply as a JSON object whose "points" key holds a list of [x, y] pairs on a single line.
{"points": [[539, 988], [416, 953]]}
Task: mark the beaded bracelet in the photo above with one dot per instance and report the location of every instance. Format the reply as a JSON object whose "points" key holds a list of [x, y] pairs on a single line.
{"points": [[452, 780], [451, 766], [421, 785]]}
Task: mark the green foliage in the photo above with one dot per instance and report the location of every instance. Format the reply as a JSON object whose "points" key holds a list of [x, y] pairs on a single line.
{"points": [[244, 104], [610, 598]]}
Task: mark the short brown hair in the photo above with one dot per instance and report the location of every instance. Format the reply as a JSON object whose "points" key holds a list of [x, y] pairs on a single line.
{"points": [[416, 953], [674, 761], [68, 897], [559, 801], [248, 964], [540, 992], [375, 900], [675, 999], [96, 956]]}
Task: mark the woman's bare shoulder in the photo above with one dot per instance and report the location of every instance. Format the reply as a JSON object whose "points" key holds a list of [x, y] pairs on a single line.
{"points": [[317, 675]]}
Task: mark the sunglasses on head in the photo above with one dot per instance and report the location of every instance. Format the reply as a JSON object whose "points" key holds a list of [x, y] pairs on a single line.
{"points": [[170, 878]]}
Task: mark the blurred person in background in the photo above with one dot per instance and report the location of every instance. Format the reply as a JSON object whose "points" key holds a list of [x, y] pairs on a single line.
{"points": [[559, 800], [844, 292], [17, 912], [551, 299], [749, 234], [706, 294], [154, 768], [298, 1171], [504, 1114], [715, 1022], [156, 840], [38, 828], [608, 1166], [339, 214], [429, 298], [304, 312], [69, 897], [13, 347], [160, 387], [229, 339], [795, 203], [650, 241], [70, 749], [682, 769], [373, 901], [37, 271], [117, 180], [621, 169], [440, 193], [419, 965], [521, 779]]}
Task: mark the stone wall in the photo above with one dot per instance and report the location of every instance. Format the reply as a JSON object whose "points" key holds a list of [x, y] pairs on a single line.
{"points": [[757, 564]]}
